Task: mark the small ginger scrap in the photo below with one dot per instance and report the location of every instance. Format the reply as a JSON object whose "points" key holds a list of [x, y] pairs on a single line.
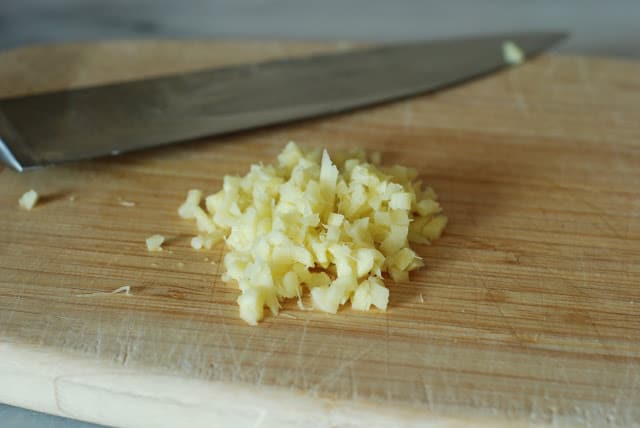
{"points": [[125, 203], [28, 200], [332, 226], [125, 289], [154, 243]]}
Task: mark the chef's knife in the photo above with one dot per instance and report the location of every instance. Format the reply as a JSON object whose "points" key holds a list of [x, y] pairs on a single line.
{"points": [[49, 128]]}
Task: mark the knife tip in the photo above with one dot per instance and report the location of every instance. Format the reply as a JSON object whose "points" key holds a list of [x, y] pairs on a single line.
{"points": [[535, 42]]}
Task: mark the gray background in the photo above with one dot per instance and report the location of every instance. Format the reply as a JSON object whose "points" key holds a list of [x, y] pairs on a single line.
{"points": [[597, 28]]}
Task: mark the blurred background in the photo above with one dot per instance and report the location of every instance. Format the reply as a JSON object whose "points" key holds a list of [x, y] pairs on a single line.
{"points": [[606, 28], [597, 28]]}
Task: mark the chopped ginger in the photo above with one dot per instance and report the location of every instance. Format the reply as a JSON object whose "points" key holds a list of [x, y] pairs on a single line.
{"points": [[512, 54], [28, 200], [330, 226], [154, 243]]}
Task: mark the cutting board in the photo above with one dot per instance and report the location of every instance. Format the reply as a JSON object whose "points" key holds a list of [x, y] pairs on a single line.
{"points": [[527, 312]]}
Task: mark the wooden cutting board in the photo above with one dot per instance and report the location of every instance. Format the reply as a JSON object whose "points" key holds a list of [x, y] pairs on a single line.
{"points": [[528, 311]]}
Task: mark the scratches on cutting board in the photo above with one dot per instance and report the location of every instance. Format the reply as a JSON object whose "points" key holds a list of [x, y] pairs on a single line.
{"points": [[301, 345], [490, 294], [582, 293], [407, 114], [11, 312], [340, 375], [427, 391], [353, 384], [516, 89], [549, 70], [127, 337], [246, 351], [584, 75], [563, 373], [386, 351]]}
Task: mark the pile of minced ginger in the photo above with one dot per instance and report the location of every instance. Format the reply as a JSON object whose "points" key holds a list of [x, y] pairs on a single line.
{"points": [[333, 226]]}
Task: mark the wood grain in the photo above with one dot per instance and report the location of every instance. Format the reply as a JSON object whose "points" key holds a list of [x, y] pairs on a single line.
{"points": [[528, 311]]}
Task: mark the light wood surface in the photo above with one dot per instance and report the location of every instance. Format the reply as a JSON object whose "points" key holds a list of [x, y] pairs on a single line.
{"points": [[527, 313]]}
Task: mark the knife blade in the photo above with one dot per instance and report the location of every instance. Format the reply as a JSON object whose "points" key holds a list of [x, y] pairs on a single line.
{"points": [[50, 128]]}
